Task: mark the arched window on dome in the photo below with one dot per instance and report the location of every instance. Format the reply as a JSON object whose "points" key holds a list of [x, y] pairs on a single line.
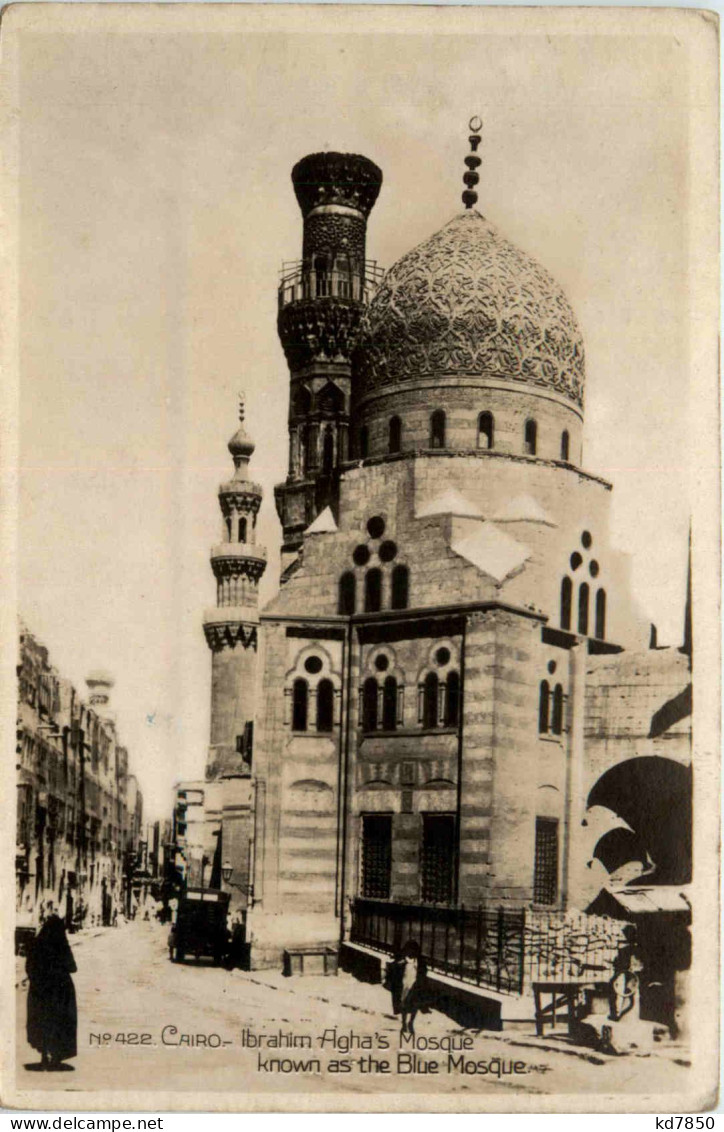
{"points": [[583, 608], [557, 714], [400, 587], [430, 701], [437, 429], [369, 704], [364, 442], [543, 707], [328, 453], [373, 590], [566, 602], [531, 437], [347, 593], [389, 704], [452, 699], [601, 615], [565, 445], [325, 705], [300, 705], [486, 430], [395, 437], [242, 529]]}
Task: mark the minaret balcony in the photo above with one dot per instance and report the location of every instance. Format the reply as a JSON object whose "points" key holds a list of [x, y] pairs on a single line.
{"points": [[238, 551], [301, 283]]}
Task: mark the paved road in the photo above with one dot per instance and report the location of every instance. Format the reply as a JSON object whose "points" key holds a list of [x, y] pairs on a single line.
{"points": [[187, 1028]]}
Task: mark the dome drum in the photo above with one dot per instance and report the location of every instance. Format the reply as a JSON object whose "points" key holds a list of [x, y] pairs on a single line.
{"points": [[476, 417]]}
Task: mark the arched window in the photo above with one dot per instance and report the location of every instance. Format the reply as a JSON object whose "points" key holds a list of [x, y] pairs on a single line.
{"points": [[566, 601], [583, 608], [565, 445], [430, 691], [364, 442], [242, 530], [328, 453], [557, 717], [369, 704], [373, 591], [300, 702], [389, 704], [320, 267], [302, 401], [531, 437], [347, 594], [325, 705], [437, 429], [452, 700], [310, 448], [395, 441], [228, 526], [601, 615], [400, 587], [486, 433], [543, 706]]}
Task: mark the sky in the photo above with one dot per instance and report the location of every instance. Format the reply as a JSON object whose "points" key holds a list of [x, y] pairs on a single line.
{"points": [[155, 209]]}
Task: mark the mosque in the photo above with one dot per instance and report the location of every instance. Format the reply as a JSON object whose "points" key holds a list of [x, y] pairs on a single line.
{"points": [[451, 723]]}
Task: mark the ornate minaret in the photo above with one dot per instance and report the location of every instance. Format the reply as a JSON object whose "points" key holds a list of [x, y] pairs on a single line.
{"points": [[232, 628], [321, 298]]}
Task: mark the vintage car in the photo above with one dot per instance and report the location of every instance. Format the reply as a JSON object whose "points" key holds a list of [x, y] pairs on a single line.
{"points": [[200, 927]]}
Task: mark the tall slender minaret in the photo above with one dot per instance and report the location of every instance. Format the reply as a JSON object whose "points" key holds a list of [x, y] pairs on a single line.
{"points": [[232, 628], [321, 298]]}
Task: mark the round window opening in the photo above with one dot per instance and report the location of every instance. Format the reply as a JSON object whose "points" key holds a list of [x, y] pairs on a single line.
{"points": [[388, 550], [382, 663], [587, 540], [442, 656], [551, 666], [360, 555], [313, 664], [593, 569], [376, 526], [576, 560]]}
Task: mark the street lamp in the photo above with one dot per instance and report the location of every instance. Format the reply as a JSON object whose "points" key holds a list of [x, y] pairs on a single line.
{"points": [[227, 870]]}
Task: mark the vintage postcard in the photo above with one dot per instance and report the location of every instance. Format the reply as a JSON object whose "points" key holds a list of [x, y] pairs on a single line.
{"points": [[361, 477]]}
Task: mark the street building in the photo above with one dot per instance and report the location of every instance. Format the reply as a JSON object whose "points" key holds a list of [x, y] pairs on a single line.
{"points": [[79, 810], [452, 723]]}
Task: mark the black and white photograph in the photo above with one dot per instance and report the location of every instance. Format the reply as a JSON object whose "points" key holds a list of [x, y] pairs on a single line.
{"points": [[360, 473]]}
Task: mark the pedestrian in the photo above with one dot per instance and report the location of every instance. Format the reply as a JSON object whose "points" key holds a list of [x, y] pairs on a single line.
{"points": [[407, 982], [52, 1018]]}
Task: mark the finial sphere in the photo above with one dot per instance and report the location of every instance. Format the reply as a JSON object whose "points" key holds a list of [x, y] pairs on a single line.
{"points": [[475, 124]]}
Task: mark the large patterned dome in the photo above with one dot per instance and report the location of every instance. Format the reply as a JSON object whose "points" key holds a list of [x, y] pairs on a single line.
{"points": [[468, 302]]}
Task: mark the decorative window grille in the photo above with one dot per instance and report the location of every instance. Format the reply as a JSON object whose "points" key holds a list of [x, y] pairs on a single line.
{"points": [[325, 705], [300, 705], [601, 615], [543, 707], [373, 591], [545, 874], [347, 587], [438, 858], [369, 704], [389, 704], [452, 700], [583, 609], [566, 600], [376, 855]]}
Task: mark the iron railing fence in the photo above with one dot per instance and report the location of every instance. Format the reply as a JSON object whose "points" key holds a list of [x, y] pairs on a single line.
{"points": [[301, 281], [505, 949], [476, 945]]}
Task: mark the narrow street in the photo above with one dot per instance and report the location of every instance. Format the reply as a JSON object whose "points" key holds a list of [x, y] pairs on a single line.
{"points": [[194, 1027]]}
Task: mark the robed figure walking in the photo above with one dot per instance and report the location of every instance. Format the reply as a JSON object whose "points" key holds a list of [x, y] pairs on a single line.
{"points": [[52, 1022]]}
